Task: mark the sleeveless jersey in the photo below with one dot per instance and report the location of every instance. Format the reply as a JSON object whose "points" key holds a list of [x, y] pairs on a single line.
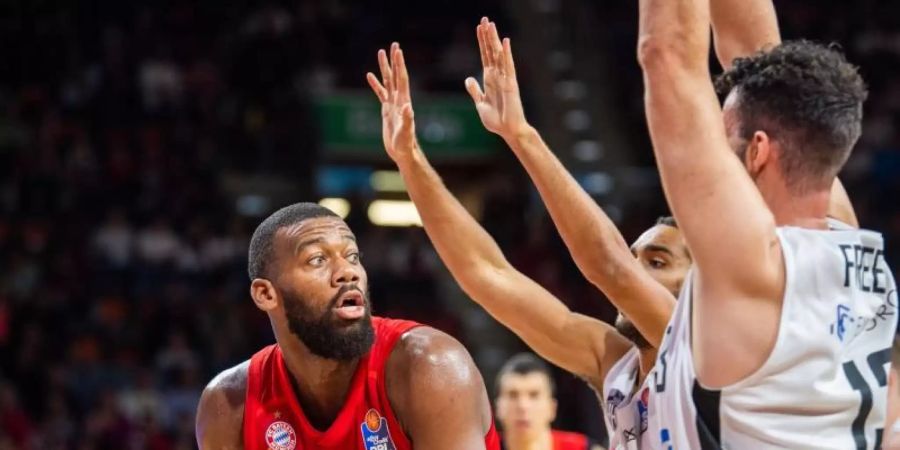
{"points": [[626, 409], [824, 384], [274, 420]]}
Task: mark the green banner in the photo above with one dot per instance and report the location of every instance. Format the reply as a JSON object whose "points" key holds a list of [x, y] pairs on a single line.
{"points": [[448, 127]]}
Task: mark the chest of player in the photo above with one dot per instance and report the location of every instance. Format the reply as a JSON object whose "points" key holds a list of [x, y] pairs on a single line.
{"points": [[357, 428], [275, 420]]}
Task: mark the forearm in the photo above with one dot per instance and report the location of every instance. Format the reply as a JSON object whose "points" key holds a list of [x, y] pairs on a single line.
{"points": [[742, 27], [478, 265], [708, 189], [461, 242], [596, 245], [674, 34]]}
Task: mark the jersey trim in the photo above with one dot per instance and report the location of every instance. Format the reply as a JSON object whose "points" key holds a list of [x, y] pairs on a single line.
{"points": [[707, 403], [786, 307]]}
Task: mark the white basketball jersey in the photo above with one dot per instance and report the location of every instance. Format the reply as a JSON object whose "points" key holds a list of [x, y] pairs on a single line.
{"points": [[824, 386], [625, 409]]}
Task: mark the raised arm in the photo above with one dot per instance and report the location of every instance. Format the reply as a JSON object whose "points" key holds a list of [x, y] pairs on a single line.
{"points": [[728, 227], [596, 245], [742, 27], [577, 343]]}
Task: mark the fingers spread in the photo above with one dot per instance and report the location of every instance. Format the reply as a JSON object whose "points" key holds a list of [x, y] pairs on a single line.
{"points": [[380, 91], [386, 73], [508, 63], [401, 77], [406, 119], [496, 46], [481, 32], [474, 90]]}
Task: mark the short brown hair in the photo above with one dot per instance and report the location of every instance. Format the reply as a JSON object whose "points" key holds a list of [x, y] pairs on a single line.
{"points": [[807, 97]]}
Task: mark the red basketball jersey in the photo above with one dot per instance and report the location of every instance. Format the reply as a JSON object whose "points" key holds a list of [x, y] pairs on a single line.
{"points": [[564, 440], [273, 419]]}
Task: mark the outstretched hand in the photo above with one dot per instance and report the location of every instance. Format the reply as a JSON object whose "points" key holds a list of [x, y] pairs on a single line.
{"points": [[397, 118], [499, 105]]}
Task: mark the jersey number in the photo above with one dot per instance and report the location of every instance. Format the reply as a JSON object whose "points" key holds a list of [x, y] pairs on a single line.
{"points": [[876, 361]]}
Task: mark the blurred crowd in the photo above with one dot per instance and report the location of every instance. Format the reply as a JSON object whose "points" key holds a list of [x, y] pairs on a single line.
{"points": [[124, 285]]}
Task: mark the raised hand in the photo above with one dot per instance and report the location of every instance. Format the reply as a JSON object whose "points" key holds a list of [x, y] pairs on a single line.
{"points": [[397, 118], [499, 105]]}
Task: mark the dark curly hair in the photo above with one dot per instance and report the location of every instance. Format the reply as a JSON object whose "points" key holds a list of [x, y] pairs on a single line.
{"points": [[807, 97]]}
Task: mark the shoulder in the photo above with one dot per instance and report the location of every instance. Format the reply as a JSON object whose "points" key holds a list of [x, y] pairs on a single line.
{"points": [[425, 351], [430, 374], [230, 382], [220, 412]]}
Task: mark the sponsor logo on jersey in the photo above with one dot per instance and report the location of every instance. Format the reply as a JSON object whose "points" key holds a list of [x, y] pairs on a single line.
{"points": [[375, 432], [613, 400], [281, 436], [643, 408], [847, 325], [839, 327]]}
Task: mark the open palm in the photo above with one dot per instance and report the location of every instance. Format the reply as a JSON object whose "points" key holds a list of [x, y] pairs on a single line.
{"points": [[499, 105], [398, 125]]}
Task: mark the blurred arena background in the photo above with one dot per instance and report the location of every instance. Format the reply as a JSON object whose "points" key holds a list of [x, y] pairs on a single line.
{"points": [[141, 142]]}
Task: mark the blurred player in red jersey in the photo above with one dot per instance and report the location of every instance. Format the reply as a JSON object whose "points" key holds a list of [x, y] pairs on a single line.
{"points": [[526, 406], [338, 378]]}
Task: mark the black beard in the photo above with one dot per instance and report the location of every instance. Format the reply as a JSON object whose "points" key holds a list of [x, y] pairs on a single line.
{"points": [[324, 334], [626, 328]]}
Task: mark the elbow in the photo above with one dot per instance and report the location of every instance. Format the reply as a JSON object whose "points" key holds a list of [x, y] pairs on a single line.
{"points": [[655, 52], [663, 55], [616, 279], [607, 276]]}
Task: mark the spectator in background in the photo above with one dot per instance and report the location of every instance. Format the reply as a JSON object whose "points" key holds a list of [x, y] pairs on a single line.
{"points": [[526, 407]]}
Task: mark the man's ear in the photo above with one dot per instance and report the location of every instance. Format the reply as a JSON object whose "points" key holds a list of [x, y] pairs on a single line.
{"points": [[759, 153], [264, 294]]}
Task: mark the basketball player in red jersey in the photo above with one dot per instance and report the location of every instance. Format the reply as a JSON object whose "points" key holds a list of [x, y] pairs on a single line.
{"points": [[526, 405], [338, 378]]}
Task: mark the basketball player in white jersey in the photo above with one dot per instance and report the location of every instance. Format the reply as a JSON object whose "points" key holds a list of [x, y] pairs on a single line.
{"points": [[599, 249], [741, 27], [582, 345], [781, 337]]}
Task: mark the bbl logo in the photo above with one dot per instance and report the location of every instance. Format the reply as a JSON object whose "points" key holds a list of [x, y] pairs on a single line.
{"points": [[281, 436], [375, 433]]}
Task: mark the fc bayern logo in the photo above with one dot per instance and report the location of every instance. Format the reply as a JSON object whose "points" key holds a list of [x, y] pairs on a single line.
{"points": [[281, 436]]}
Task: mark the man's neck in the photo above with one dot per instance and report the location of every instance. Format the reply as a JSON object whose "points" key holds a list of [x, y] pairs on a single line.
{"points": [[321, 385], [646, 360], [538, 441], [809, 210]]}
